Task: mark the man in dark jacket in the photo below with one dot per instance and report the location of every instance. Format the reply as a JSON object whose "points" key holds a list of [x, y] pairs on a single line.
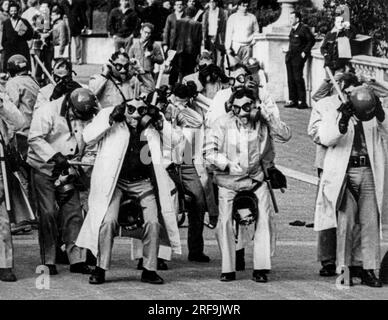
{"points": [[16, 32], [75, 11], [169, 36], [188, 38], [333, 58], [301, 42], [123, 22], [213, 28], [157, 15]]}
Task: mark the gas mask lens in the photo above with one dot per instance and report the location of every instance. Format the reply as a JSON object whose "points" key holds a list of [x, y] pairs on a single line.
{"points": [[140, 110], [247, 107]]}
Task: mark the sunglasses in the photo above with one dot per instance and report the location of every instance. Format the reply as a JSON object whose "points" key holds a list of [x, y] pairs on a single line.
{"points": [[119, 66], [142, 110], [247, 107]]}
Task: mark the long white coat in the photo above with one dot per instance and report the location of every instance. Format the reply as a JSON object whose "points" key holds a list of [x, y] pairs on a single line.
{"points": [[113, 142], [323, 128]]}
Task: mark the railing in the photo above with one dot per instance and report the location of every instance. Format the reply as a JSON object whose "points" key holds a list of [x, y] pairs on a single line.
{"points": [[372, 67]]}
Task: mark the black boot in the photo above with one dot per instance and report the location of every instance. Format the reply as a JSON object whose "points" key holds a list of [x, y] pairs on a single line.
{"points": [[80, 267], [228, 276], [328, 270], [384, 269], [52, 269], [97, 276], [369, 278], [240, 260], [162, 265], [260, 275], [7, 275], [151, 277]]}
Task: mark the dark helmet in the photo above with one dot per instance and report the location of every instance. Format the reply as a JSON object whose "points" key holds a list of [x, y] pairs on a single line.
{"points": [[364, 103], [84, 103], [245, 200], [130, 214], [17, 63]]}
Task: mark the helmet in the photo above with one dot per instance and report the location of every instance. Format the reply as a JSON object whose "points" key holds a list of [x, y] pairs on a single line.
{"points": [[83, 103], [16, 64], [130, 214], [245, 208], [364, 103]]}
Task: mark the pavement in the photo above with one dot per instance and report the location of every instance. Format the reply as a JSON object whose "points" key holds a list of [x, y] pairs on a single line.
{"points": [[294, 272]]}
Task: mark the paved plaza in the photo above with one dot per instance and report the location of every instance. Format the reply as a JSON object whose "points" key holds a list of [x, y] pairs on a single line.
{"points": [[294, 272]]}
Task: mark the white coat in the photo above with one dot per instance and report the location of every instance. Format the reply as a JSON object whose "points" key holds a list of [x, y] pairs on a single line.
{"points": [[323, 129], [113, 142]]}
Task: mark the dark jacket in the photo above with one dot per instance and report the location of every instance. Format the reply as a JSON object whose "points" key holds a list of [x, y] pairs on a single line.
{"points": [[188, 37], [76, 14], [329, 48], [301, 40], [169, 33], [157, 15], [220, 36], [123, 24], [13, 43]]}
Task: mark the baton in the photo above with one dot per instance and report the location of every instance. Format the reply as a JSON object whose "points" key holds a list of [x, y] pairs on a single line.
{"points": [[5, 179], [44, 69], [79, 163], [335, 84], [266, 178]]}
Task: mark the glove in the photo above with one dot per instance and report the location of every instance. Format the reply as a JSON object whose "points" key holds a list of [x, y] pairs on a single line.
{"points": [[60, 163], [380, 114], [347, 111], [64, 87], [192, 89], [118, 114], [156, 117], [254, 87]]}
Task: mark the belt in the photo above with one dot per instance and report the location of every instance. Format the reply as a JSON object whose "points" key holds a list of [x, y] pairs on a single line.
{"points": [[359, 161], [136, 178]]}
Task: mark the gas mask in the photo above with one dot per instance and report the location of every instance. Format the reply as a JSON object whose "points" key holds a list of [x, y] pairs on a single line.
{"points": [[121, 71], [243, 107], [209, 74], [245, 208]]}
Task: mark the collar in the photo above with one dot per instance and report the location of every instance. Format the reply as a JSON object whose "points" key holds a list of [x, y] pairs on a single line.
{"points": [[296, 26]]}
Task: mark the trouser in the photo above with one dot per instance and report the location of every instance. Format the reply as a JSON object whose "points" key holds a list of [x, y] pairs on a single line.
{"points": [[122, 42], [78, 48], [187, 181], [296, 84], [218, 56], [6, 250], [226, 236], [57, 226], [244, 53], [326, 86], [143, 190], [360, 206], [327, 243], [182, 65]]}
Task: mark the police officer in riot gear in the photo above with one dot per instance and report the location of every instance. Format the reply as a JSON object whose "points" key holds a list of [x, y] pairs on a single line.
{"points": [[55, 137]]}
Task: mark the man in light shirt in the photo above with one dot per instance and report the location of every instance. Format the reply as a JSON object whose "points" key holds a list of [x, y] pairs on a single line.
{"points": [[213, 28], [240, 30]]}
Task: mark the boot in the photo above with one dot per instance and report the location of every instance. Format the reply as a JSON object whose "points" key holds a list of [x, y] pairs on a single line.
{"points": [[369, 278], [97, 276], [384, 269], [7, 275]]}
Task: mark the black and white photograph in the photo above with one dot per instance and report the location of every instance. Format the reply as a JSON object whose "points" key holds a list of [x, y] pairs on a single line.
{"points": [[193, 154]]}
